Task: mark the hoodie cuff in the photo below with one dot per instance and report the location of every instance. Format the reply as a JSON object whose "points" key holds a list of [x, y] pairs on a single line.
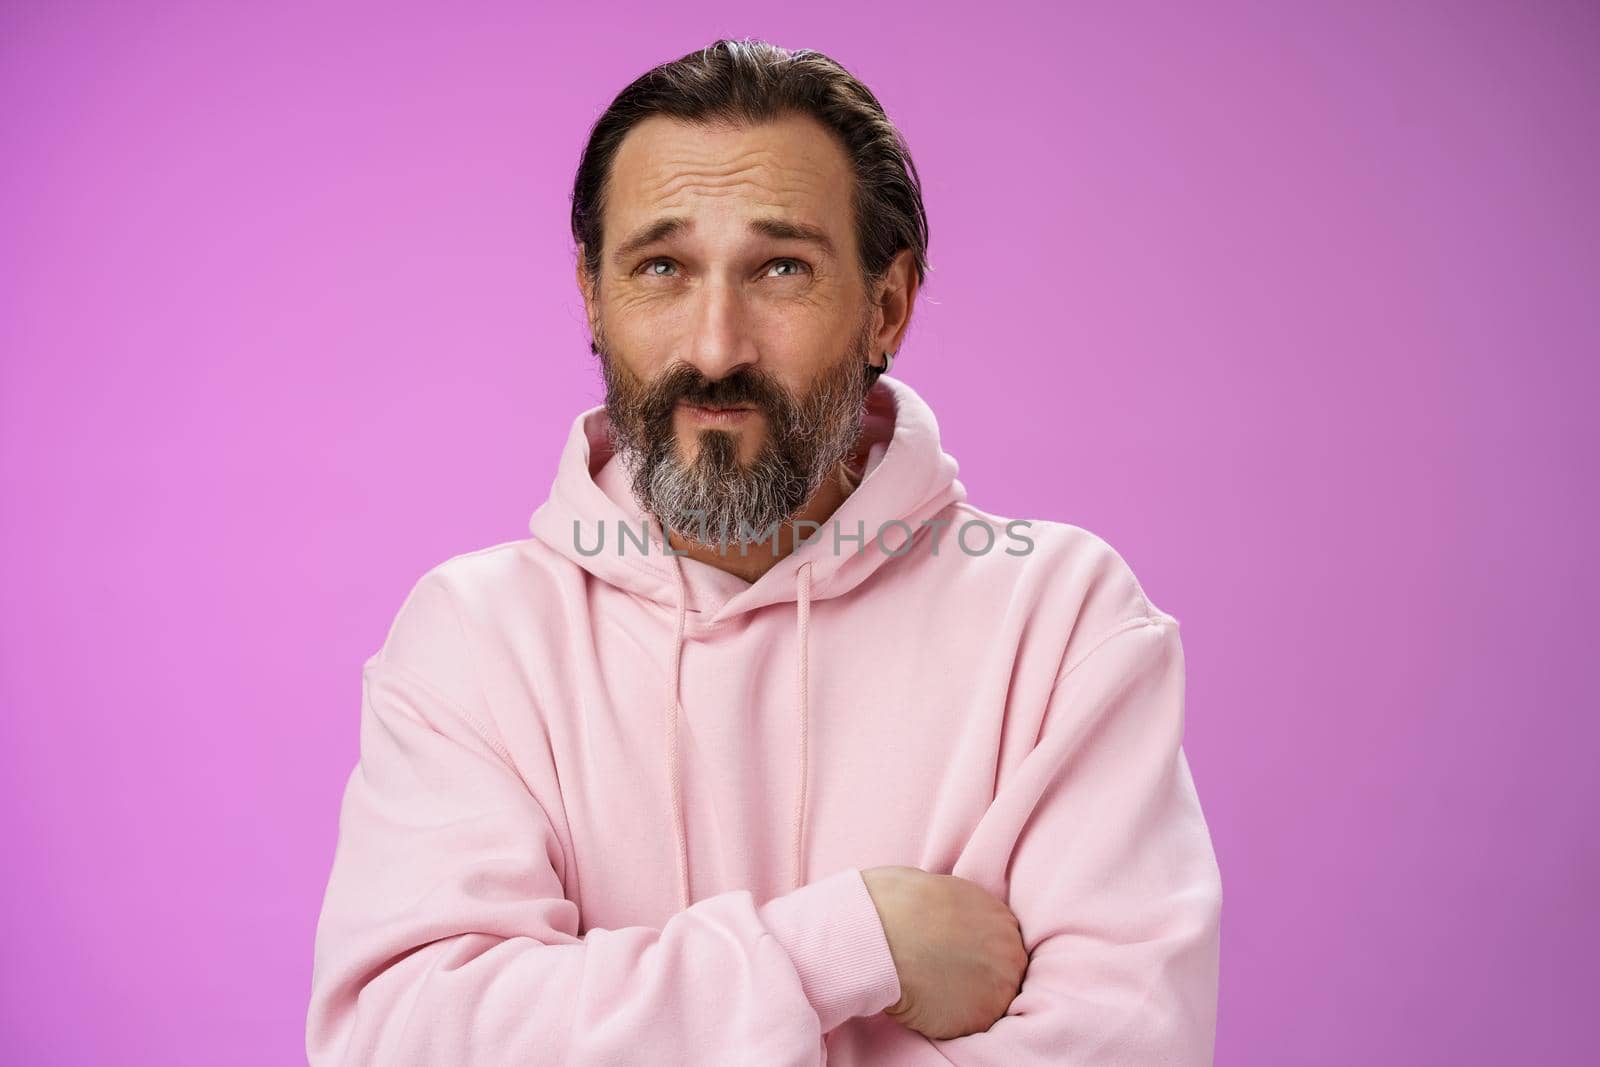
{"points": [[834, 935]]}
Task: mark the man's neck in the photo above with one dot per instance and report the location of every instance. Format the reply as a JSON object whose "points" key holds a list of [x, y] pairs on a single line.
{"points": [[760, 558]]}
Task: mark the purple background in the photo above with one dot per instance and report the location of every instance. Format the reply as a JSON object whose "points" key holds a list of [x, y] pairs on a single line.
{"points": [[1294, 306]]}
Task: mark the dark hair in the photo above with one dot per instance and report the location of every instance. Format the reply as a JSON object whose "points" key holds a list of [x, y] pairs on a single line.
{"points": [[751, 81]]}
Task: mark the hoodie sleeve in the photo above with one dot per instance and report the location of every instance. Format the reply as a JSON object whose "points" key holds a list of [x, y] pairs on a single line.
{"points": [[1112, 875], [445, 935]]}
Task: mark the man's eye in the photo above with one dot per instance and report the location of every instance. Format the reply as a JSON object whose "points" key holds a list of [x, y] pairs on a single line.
{"points": [[792, 268], [791, 263]]}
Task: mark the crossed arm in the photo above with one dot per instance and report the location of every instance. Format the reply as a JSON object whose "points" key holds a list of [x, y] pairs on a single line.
{"points": [[446, 937], [1099, 845]]}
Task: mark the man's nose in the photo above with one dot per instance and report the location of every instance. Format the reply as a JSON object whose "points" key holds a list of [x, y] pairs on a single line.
{"points": [[720, 342]]}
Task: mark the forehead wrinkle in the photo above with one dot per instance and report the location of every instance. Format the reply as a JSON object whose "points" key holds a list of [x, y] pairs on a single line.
{"points": [[754, 166], [783, 202], [715, 161], [772, 183], [668, 175]]}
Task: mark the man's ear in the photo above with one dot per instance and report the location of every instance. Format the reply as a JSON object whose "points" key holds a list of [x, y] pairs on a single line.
{"points": [[895, 298]]}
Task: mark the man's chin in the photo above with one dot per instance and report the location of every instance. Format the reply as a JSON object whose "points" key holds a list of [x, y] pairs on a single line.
{"points": [[694, 442]]}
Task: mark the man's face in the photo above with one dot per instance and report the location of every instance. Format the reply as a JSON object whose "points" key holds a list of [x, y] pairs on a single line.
{"points": [[753, 302]]}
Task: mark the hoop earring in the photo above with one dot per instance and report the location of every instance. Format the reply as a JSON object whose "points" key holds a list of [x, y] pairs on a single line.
{"points": [[874, 372]]}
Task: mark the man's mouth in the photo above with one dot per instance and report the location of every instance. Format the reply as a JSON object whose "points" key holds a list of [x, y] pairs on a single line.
{"points": [[716, 415]]}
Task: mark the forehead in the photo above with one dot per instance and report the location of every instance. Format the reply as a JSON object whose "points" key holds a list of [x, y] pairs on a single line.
{"points": [[790, 168]]}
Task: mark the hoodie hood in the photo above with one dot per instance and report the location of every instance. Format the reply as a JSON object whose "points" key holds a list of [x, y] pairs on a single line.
{"points": [[905, 475]]}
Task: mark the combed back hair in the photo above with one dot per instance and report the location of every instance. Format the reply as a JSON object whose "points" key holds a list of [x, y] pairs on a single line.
{"points": [[747, 82]]}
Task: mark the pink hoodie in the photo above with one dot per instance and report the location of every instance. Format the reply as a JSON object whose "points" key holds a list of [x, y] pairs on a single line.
{"points": [[613, 807]]}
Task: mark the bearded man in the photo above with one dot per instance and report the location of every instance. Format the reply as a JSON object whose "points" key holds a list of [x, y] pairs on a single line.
{"points": [[766, 746]]}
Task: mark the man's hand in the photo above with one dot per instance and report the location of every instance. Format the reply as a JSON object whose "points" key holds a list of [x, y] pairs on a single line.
{"points": [[957, 948]]}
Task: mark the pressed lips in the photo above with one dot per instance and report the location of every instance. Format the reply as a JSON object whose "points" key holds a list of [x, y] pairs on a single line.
{"points": [[716, 415]]}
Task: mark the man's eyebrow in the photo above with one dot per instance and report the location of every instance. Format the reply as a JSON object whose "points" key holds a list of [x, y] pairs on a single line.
{"points": [[650, 233], [784, 230], [778, 229]]}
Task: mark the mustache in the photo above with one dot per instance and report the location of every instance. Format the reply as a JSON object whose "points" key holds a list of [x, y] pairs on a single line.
{"points": [[685, 384]]}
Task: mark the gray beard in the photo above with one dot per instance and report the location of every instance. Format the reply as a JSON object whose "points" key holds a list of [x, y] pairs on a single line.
{"points": [[717, 502]]}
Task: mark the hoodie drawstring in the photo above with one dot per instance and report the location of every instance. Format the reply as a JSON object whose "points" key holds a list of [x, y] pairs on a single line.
{"points": [[802, 579], [681, 841], [802, 616]]}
